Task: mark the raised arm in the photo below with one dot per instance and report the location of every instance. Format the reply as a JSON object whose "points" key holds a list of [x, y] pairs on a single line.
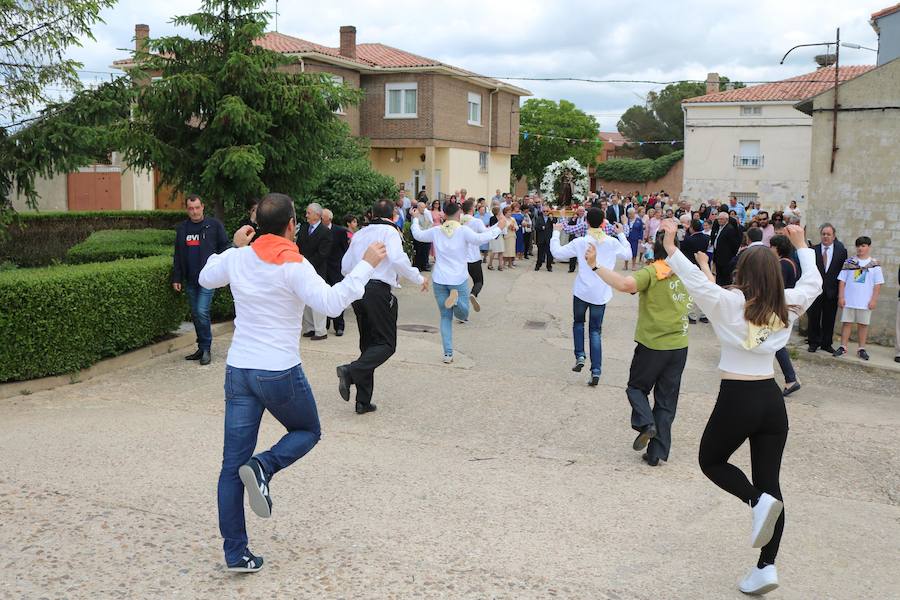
{"points": [[480, 238], [559, 251], [400, 261], [809, 286], [332, 300], [215, 274], [623, 248], [714, 301]]}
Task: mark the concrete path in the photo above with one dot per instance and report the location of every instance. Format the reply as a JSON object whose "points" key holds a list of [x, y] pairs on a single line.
{"points": [[500, 476]]}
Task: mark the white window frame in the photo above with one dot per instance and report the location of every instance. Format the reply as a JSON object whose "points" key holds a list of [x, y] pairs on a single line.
{"points": [[751, 110], [403, 88], [473, 100], [338, 80], [483, 161]]}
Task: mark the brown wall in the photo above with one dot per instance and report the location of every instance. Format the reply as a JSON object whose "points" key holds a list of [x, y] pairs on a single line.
{"points": [[373, 125], [672, 183], [505, 123], [95, 190], [451, 102], [351, 79]]}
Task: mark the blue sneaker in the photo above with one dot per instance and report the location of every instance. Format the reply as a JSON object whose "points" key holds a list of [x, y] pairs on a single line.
{"points": [[247, 564], [254, 479]]}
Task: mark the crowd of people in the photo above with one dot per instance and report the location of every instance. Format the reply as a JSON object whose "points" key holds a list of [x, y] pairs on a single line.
{"points": [[751, 275]]}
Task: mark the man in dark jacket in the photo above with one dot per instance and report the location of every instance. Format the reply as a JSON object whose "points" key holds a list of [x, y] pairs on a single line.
{"points": [[695, 241], [726, 243], [196, 239], [830, 258], [543, 231], [314, 240], [340, 241]]}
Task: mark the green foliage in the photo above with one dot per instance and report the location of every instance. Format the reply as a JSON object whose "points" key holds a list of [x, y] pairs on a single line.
{"points": [[661, 117], [351, 187], [113, 244], [540, 119], [39, 239], [637, 170], [60, 319], [229, 119]]}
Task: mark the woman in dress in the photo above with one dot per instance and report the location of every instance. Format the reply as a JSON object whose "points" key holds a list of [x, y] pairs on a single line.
{"points": [[634, 231], [652, 225], [497, 244], [509, 239], [520, 232], [792, 211]]}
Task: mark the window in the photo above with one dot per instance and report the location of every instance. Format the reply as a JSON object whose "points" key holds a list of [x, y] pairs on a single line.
{"points": [[748, 156], [483, 162], [751, 111], [338, 81], [474, 109], [400, 100]]}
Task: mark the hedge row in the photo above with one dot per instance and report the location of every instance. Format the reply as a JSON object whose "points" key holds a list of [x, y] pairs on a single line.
{"points": [[64, 318], [40, 239], [637, 170], [112, 244]]}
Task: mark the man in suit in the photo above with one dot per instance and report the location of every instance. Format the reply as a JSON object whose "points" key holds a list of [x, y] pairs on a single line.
{"points": [[830, 257], [726, 243], [314, 241], [694, 241], [615, 212], [543, 231], [340, 241]]}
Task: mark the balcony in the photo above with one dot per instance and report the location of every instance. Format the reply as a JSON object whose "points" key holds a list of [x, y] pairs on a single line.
{"points": [[748, 162]]}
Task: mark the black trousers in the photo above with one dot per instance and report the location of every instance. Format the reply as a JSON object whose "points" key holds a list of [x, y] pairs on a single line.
{"points": [[744, 410], [421, 249], [822, 315], [573, 263], [526, 237], [376, 316], [338, 321], [477, 276], [723, 274], [543, 253], [660, 371]]}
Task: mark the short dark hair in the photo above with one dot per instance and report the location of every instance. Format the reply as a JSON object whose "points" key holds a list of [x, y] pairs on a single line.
{"points": [[274, 212], [863, 240], [348, 218], [451, 208], [251, 203], [383, 209], [696, 225], [191, 198], [659, 248], [755, 234], [782, 245], [595, 217], [467, 205]]}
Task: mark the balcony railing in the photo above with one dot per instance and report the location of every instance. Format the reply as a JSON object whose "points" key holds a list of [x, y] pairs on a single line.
{"points": [[748, 162]]}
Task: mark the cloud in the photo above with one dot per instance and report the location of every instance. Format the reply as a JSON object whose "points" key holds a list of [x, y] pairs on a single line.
{"points": [[652, 40]]}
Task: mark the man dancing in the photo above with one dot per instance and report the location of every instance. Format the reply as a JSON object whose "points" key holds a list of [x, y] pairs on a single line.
{"points": [[590, 293], [271, 283], [473, 252], [450, 274], [376, 312]]}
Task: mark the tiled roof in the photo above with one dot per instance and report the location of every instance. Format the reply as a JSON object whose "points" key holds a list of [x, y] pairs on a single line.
{"points": [[375, 55], [387, 56], [886, 11], [279, 42], [613, 137], [795, 89]]}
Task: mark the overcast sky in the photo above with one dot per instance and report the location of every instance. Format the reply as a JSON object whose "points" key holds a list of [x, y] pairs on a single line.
{"points": [[650, 40]]}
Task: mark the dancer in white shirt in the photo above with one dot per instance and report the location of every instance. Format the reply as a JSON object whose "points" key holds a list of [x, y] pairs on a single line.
{"points": [[752, 320], [271, 284], [450, 276], [376, 312], [590, 293]]}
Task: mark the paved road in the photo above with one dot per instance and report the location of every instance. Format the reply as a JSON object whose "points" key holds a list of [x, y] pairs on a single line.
{"points": [[501, 476]]}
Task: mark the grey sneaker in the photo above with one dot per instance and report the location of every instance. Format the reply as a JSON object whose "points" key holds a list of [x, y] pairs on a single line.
{"points": [[448, 358], [579, 365], [862, 354], [840, 352]]}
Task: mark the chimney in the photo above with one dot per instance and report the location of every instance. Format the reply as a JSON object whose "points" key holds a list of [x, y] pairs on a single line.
{"points": [[141, 33], [348, 41], [712, 83]]}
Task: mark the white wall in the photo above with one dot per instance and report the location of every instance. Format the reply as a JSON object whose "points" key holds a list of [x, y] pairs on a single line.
{"points": [[712, 139]]}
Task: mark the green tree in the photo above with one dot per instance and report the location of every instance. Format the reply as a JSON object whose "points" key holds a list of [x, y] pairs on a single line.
{"points": [[661, 117], [229, 119], [547, 128]]}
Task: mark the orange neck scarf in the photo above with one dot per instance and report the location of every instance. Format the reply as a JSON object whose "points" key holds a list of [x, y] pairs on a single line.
{"points": [[662, 268], [276, 250]]}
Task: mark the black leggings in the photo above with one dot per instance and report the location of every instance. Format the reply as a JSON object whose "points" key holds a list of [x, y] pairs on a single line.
{"points": [[477, 276], [744, 410]]}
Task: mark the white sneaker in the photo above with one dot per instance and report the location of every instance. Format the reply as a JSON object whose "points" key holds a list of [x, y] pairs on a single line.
{"points": [[451, 300], [765, 515], [448, 358], [759, 581]]}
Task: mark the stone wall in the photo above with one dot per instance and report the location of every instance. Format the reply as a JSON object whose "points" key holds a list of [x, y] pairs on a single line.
{"points": [[671, 182]]}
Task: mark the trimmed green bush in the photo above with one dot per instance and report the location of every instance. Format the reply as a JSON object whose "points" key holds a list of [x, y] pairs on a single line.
{"points": [[637, 170], [40, 239], [112, 244], [60, 319]]}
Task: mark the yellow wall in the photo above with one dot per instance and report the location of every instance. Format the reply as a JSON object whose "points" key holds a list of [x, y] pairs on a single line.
{"points": [[402, 171]]}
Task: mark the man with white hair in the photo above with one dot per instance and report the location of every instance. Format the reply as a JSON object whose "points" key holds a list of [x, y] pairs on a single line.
{"points": [[340, 241], [314, 240]]}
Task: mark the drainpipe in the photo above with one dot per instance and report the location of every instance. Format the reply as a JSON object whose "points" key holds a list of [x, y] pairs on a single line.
{"points": [[491, 118]]}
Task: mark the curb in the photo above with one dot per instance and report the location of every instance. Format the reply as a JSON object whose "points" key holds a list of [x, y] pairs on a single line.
{"points": [[848, 360], [108, 365]]}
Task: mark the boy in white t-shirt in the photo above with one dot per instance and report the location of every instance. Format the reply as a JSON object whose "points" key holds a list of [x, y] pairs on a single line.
{"points": [[858, 287]]}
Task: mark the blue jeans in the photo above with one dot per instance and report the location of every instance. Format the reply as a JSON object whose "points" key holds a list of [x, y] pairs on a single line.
{"points": [[595, 324], [248, 392], [460, 311], [200, 298], [784, 361]]}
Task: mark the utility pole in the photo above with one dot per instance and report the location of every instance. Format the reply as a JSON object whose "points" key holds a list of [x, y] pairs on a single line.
{"points": [[837, 62]]}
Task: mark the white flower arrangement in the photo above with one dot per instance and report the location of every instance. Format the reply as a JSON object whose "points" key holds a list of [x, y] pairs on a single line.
{"points": [[573, 170]]}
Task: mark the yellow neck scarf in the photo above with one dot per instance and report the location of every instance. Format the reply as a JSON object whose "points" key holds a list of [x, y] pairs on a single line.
{"points": [[598, 234], [757, 334], [449, 227]]}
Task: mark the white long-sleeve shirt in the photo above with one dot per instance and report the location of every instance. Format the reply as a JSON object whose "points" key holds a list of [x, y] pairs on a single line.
{"points": [[269, 301], [588, 286], [725, 310], [450, 267], [473, 251], [396, 264]]}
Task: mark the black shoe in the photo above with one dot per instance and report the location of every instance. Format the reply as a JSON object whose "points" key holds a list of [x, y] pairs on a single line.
{"points": [[579, 365], [692, 320], [790, 390], [644, 437], [316, 338], [812, 348], [343, 374], [829, 349], [537, 268], [205, 358], [309, 334], [338, 332], [704, 320], [254, 479], [571, 270], [549, 270], [595, 379], [862, 354], [362, 409], [839, 352], [247, 564], [650, 460], [897, 359], [195, 356]]}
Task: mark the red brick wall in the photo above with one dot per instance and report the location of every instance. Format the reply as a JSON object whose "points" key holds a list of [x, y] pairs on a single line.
{"points": [[672, 182]]}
